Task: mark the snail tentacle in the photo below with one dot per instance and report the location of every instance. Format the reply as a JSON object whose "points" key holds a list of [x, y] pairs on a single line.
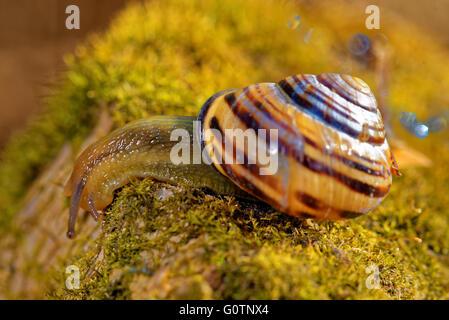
{"points": [[74, 205]]}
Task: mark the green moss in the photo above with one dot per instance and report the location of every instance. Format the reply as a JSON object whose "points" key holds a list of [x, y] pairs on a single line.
{"points": [[243, 250], [161, 241]]}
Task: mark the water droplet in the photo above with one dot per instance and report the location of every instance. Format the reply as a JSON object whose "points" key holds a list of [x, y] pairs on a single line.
{"points": [[364, 135], [420, 130], [408, 120], [435, 123], [359, 44], [329, 148], [296, 21], [164, 194]]}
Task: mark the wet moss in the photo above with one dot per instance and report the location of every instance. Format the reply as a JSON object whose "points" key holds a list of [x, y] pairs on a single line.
{"points": [[203, 245], [163, 241]]}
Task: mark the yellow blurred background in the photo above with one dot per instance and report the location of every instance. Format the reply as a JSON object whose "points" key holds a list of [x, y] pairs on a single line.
{"points": [[33, 40]]}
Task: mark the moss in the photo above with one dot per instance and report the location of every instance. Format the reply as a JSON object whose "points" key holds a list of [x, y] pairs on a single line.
{"points": [[163, 241], [196, 244]]}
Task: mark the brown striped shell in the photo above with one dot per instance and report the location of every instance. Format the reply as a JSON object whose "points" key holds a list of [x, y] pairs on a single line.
{"points": [[334, 161]]}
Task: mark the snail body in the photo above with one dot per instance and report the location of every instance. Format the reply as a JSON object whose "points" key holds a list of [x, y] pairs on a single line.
{"points": [[139, 149], [333, 159]]}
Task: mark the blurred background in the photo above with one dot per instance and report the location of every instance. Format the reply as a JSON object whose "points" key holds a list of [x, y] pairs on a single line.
{"points": [[34, 40]]}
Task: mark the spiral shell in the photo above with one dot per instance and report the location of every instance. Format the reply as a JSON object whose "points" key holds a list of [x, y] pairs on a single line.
{"points": [[334, 158]]}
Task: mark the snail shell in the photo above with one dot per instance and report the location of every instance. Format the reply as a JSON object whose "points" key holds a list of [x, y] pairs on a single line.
{"points": [[334, 158], [334, 161]]}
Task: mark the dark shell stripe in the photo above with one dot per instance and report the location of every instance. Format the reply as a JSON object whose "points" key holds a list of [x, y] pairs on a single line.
{"points": [[310, 202], [243, 115], [335, 159], [315, 90], [311, 108], [337, 97], [371, 119], [335, 83], [230, 169], [308, 104], [271, 96], [268, 108], [302, 158], [257, 95], [317, 205], [313, 94], [352, 183], [259, 103], [207, 106], [312, 205], [256, 99], [348, 162], [270, 99]]}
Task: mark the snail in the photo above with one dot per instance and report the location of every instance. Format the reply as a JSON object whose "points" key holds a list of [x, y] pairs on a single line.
{"points": [[333, 158]]}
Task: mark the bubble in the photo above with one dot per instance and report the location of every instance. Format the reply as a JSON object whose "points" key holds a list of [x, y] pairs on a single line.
{"points": [[408, 120], [296, 21], [420, 130], [359, 44], [435, 123]]}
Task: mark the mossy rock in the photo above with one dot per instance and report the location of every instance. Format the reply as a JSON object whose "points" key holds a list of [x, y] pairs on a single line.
{"points": [[162, 241]]}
